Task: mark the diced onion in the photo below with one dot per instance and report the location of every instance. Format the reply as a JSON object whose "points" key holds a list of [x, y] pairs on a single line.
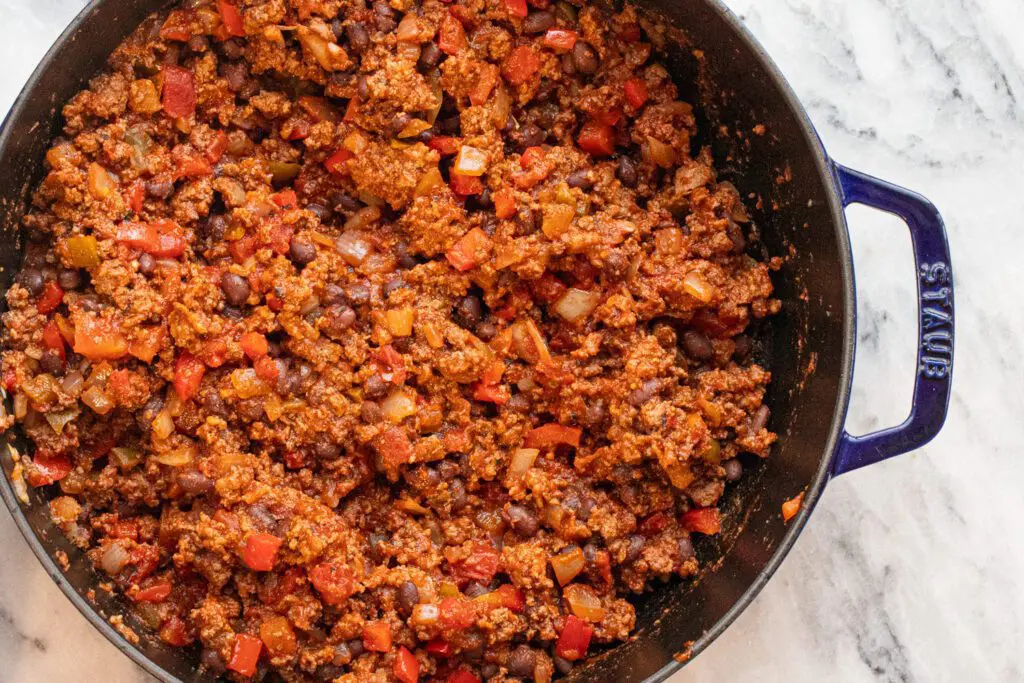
{"points": [[248, 384], [363, 218], [408, 30], [568, 565], [470, 161], [352, 246], [97, 399], [425, 615], [428, 181], [232, 192], [584, 602], [114, 559], [59, 418], [413, 128], [660, 153], [521, 461], [320, 49], [125, 458], [557, 219], [577, 304], [72, 383], [696, 286], [399, 321], [163, 424], [398, 406], [355, 142], [179, 457]]}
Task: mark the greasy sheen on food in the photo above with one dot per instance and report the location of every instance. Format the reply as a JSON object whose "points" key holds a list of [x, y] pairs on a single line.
{"points": [[392, 341]]}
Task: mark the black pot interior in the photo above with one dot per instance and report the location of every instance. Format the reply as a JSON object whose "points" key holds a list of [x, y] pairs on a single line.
{"points": [[807, 346]]}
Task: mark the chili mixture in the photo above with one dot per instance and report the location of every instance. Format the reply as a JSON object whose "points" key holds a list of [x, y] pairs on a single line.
{"points": [[392, 341]]}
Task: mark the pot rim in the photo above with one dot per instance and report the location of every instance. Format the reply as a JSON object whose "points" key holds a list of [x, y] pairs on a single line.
{"points": [[812, 493]]}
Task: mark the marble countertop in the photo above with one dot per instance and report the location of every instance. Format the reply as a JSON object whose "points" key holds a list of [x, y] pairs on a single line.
{"points": [[909, 570]]}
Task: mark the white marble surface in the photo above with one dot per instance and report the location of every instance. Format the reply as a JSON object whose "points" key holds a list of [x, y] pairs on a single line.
{"points": [[909, 570]]}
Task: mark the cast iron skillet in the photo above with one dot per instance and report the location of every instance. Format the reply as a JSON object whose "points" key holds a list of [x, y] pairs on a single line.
{"points": [[810, 345]]}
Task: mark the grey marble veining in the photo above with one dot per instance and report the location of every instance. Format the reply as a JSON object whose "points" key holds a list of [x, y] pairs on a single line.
{"points": [[909, 570]]}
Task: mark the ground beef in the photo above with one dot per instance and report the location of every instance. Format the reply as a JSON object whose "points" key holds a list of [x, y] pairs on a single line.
{"points": [[362, 343]]}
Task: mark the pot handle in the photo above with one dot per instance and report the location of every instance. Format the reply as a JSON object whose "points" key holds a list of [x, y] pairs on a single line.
{"points": [[935, 323]]}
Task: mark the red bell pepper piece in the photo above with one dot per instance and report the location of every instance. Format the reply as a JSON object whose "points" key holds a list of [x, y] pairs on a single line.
{"points": [[53, 340], [377, 636], [334, 581], [451, 37], [523, 63], [336, 162], [254, 345], [245, 654], [188, 374], [406, 668], [597, 139], [517, 8], [552, 435], [179, 96], [473, 249], [445, 146], [50, 299], [156, 592], [574, 640], [560, 39], [702, 520], [231, 17], [260, 552], [636, 92], [47, 468], [466, 185]]}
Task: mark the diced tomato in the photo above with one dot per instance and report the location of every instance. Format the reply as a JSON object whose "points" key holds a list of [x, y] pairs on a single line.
{"points": [[406, 668], [278, 636], [630, 33], [560, 39], [156, 592], [498, 394], [135, 196], [462, 676], [254, 345], [231, 17], [174, 632], [53, 340], [394, 449], [481, 564], [280, 237], [552, 435], [466, 185], [547, 288], [274, 303], [377, 636], [702, 520], [636, 92], [10, 379], [473, 249], [507, 596], [162, 239], [457, 614], [47, 468], [523, 63], [242, 250], [215, 353], [445, 146], [188, 374], [179, 96], [188, 163], [245, 654], [334, 581], [285, 198], [791, 507], [217, 148], [517, 8], [178, 25], [50, 299], [531, 155], [451, 36], [504, 203], [574, 640], [266, 369], [336, 162], [260, 552], [481, 92], [597, 139], [608, 116], [394, 364], [99, 339], [653, 524], [439, 647]]}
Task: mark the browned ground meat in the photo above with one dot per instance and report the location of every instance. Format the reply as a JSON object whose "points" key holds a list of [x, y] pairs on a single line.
{"points": [[385, 342]]}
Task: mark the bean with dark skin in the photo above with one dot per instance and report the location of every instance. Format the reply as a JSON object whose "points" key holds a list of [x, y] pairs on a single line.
{"points": [[538, 22], [635, 547], [375, 387], [457, 491], [563, 666], [215, 227], [580, 179], [370, 412], [645, 393], [531, 136], [32, 280], [194, 482], [760, 419], [685, 548], [301, 251], [475, 590], [585, 58], [325, 450], [359, 293], [51, 363], [522, 520], [744, 346], [430, 55], [236, 289], [147, 264], [69, 279], [489, 670], [486, 330], [468, 312], [358, 37], [160, 187], [733, 469], [386, 19], [698, 346], [522, 662], [408, 597], [626, 172]]}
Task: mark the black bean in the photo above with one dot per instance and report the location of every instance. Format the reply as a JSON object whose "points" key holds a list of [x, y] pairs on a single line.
{"points": [[51, 363], [370, 412], [32, 280], [522, 520], [325, 450], [198, 44], [475, 590], [408, 597], [404, 258], [760, 419], [215, 404], [160, 187], [232, 312], [486, 330], [144, 418], [744, 345], [301, 251], [212, 661], [375, 387], [585, 58], [393, 284], [363, 88], [538, 22], [69, 278], [386, 18], [489, 670], [232, 49], [451, 125], [468, 312], [645, 393], [586, 507], [356, 646], [735, 233], [596, 413], [329, 672], [342, 655], [147, 264], [448, 469], [685, 548], [339, 318], [580, 179], [430, 55], [733, 469], [522, 662], [194, 482], [358, 37], [564, 666], [322, 212], [344, 203], [568, 64], [697, 345], [626, 172], [359, 293], [635, 547], [531, 136], [457, 491], [235, 288], [215, 227], [333, 294]]}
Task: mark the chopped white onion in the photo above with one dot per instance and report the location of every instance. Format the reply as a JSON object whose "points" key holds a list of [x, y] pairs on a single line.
{"points": [[577, 304]]}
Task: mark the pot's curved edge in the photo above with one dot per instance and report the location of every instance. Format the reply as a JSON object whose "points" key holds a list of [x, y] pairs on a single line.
{"points": [[816, 487], [813, 492]]}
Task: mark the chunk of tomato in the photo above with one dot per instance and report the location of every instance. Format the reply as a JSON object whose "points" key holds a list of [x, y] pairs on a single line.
{"points": [[260, 552]]}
